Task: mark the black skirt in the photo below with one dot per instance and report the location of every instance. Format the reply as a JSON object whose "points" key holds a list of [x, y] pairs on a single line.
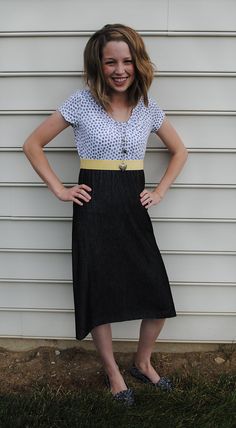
{"points": [[118, 271]]}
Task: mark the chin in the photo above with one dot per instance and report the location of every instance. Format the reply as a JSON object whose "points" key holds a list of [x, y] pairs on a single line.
{"points": [[120, 88]]}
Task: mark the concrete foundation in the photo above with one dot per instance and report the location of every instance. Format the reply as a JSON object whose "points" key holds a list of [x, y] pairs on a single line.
{"points": [[18, 344]]}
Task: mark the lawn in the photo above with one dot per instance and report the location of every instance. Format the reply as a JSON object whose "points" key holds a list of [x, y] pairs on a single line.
{"points": [[49, 387], [194, 403]]}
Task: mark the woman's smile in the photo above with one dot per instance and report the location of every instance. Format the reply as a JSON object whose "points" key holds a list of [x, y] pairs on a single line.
{"points": [[118, 67], [119, 80]]}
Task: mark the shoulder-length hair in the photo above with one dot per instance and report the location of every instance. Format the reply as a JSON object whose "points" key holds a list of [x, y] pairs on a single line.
{"points": [[93, 52]]}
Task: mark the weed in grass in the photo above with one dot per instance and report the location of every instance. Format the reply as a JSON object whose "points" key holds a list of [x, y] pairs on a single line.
{"points": [[228, 350]]}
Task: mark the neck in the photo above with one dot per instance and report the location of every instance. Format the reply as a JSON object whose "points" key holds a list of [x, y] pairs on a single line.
{"points": [[120, 99]]}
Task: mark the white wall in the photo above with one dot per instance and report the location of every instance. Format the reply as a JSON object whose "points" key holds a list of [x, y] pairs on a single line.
{"points": [[193, 44]]}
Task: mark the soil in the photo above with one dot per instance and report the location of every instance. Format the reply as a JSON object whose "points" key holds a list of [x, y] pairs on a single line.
{"points": [[75, 368]]}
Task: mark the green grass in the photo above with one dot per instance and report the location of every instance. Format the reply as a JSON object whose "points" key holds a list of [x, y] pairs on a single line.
{"points": [[195, 402]]}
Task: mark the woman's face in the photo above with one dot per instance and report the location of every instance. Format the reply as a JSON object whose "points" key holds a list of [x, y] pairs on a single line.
{"points": [[118, 67]]}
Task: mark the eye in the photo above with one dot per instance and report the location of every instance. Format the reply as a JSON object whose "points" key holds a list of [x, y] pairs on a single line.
{"points": [[109, 62], [128, 61]]}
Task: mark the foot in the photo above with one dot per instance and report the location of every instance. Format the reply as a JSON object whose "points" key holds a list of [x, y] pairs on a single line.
{"points": [[148, 370], [117, 382]]}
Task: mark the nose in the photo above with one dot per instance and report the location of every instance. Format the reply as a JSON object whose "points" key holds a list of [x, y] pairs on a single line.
{"points": [[119, 68]]}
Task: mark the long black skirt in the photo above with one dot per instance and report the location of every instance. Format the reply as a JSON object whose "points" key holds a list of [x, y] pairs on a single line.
{"points": [[118, 271]]}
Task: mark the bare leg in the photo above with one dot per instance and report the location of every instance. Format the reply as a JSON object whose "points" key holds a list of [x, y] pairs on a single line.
{"points": [[149, 331], [102, 338]]}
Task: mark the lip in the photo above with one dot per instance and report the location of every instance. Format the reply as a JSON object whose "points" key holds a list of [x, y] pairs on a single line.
{"points": [[119, 80]]}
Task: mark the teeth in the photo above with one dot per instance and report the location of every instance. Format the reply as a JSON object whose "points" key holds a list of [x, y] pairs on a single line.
{"points": [[120, 79]]}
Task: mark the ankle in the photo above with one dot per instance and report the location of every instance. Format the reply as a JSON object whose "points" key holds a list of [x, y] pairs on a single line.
{"points": [[142, 364], [112, 370]]}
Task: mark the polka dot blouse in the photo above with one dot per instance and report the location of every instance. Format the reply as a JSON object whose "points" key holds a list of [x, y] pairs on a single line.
{"points": [[99, 136]]}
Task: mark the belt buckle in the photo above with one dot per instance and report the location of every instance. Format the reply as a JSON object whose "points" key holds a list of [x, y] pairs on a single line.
{"points": [[123, 166]]}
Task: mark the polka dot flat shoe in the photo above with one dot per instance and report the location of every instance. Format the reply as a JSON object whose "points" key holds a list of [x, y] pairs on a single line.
{"points": [[163, 383], [126, 396]]}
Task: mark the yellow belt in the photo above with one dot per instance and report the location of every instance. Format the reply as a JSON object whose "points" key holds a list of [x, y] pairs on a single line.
{"points": [[111, 164]]}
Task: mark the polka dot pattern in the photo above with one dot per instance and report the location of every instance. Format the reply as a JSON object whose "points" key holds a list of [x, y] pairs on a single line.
{"points": [[99, 136]]}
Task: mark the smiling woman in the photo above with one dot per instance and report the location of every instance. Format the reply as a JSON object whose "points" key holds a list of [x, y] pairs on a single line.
{"points": [[118, 271], [103, 49], [118, 67]]}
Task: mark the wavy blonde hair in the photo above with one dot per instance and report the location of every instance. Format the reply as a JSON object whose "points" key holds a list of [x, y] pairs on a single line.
{"points": [[93, 52]]}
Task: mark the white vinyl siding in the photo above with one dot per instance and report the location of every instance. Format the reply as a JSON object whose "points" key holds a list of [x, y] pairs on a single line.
{"points": [[192, 44]]}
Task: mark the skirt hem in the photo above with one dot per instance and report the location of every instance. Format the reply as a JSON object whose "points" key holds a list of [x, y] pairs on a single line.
{"points": [[130, 318]]}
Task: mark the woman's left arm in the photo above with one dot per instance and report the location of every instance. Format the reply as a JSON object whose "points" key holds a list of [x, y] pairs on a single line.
{"points": [[174, 144]]}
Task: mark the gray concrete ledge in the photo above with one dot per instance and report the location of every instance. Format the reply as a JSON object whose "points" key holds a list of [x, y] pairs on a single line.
{"points": [[23, 344]]}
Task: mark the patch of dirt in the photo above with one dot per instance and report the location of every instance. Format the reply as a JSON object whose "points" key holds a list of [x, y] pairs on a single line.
{"points": [[76, 368]]}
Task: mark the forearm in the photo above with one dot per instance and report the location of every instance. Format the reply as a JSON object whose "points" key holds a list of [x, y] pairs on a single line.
{"points": [[41, 165], [173, 170]]}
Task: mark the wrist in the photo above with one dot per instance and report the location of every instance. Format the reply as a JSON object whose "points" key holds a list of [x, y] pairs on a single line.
{"points": [[159, 193], [58, 191]]}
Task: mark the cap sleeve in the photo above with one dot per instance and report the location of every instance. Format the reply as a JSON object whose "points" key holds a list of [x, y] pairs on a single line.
{"points": [[70, 108], [157, 115]]}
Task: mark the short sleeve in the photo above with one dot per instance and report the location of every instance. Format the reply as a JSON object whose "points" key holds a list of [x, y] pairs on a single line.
{"points": [[157, 115], [70, 109]]}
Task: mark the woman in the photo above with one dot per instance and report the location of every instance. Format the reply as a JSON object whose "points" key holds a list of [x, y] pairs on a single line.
{"points": [[118, 272]]}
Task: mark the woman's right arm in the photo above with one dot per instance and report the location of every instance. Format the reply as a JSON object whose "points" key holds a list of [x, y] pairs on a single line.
{"points": [[33, 149]]}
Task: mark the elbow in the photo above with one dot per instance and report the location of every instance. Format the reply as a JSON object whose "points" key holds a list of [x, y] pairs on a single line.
{"points": [[185, 154], [25, 147], [181, 153], [29, 147]]}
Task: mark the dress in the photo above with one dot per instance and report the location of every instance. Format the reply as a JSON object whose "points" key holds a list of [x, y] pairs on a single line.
{"points": [[118, 271]]}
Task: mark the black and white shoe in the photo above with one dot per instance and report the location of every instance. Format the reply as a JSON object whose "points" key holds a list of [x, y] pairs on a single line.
{"points": [[163, 383], [126, 396]]}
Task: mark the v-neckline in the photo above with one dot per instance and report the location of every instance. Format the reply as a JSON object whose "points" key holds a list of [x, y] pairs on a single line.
{"points": [[106, 114], [110, 117], [120, 121]]}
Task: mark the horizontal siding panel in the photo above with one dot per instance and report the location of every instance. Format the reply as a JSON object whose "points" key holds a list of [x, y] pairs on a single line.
{"points": [[170, 53], [35, 234], [196, 170], [196, 203], [36, 93], [41, 324], [172, 92], [61, 325], [200, 268], [21, 170], [195, 93], [196, 131], [170, 236], [16, 167], [195, 298], [210, 15], [202, 15], [198, 298], [167, 53], [184, 328], [180, 267], [35, 53], [36, 296], [195, 236], [32, 201], [36, 265], [204, 131], [177, 203], [74, 15], [16, 128]]}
